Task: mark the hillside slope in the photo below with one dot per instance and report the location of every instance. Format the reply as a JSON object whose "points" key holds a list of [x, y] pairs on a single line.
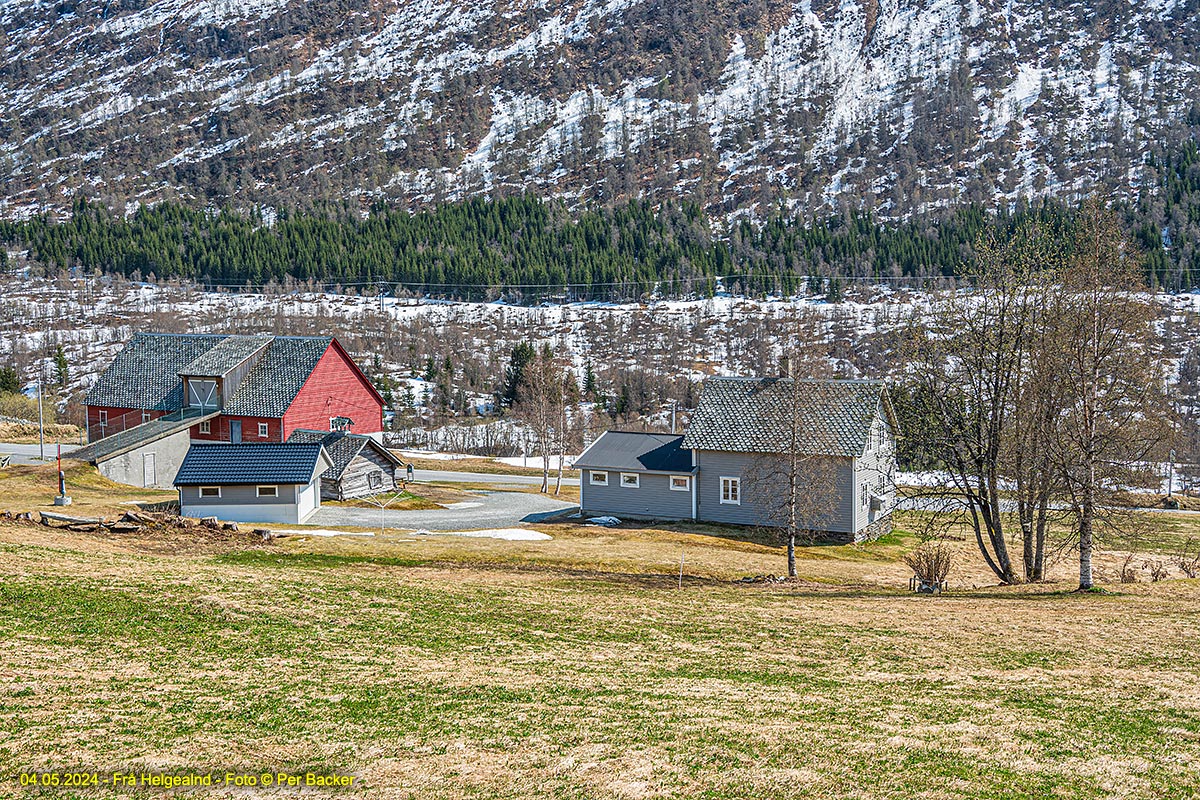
{"points": [[895, 105]]}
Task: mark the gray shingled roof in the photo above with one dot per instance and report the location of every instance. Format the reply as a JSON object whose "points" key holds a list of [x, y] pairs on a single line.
{"points": [[637, 452], [145, 374], [226, 355], [224, 464], [751, 415], [276, 379], [341, 446]]}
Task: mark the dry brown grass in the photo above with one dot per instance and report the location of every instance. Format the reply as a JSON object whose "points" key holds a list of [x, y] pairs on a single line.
{"points": [[27, 433], [448, 667]]}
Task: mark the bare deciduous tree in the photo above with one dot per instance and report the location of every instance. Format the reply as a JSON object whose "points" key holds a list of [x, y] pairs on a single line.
{"points": [[796, 489], [970, 361], [541, 402], [1107, 353]]}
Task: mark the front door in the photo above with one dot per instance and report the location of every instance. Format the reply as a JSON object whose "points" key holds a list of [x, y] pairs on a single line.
{"points": [[235, 430], [148, 477]]}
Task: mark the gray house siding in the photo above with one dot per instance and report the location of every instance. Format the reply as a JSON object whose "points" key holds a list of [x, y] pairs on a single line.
{"points": [[653, 498], [239, 495], [131, 467], [715, 465]]}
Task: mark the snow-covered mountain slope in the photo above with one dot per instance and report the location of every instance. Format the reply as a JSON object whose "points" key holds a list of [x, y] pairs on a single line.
{"points": [[897, 105]]}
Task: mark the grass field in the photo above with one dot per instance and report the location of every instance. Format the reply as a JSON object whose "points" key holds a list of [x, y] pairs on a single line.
{"points": [[440, 667]]}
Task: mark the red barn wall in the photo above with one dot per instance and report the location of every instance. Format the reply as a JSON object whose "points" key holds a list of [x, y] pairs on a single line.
{"points": [[118, 420], [219, 429], [336, 388]]}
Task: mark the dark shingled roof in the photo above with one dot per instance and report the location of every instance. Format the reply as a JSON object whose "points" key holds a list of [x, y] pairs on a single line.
{"points": [[226, 355], [751, 415], [223, 464], [145, 374], [276, 379], [342, 447], [637, 452]]}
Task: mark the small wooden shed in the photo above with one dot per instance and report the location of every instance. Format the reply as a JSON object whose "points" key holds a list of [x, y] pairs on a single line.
{"points": [[361, 465]]}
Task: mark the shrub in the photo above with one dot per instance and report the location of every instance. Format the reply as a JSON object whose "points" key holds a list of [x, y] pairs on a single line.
{"points": [[931, 562]]}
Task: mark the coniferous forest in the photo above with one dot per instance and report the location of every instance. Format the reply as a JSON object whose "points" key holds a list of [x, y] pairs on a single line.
{"points": [[526, 249]]}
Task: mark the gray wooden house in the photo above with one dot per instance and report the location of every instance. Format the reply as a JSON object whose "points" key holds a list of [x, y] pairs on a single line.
{"points": [[268, 482], [361, 465], [725, 467]]}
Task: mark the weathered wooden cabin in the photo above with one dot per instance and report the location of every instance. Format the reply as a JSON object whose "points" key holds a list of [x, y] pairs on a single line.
{"points": [[361, 465]]}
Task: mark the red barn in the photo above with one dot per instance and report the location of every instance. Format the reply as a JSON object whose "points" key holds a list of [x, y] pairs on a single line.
{"points": [[220, 388]]}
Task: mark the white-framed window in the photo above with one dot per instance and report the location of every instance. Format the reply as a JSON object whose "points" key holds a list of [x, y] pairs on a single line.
{"points": [[681, 483], [599, 478], [630, 480], [268, 491], [206, 426], [262, 430], [103, 418], [210, 491], [731, 491], [145, 416], [866, 498]]}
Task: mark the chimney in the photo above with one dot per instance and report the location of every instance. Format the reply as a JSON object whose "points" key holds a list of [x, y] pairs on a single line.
{"points": [[785, 367]]}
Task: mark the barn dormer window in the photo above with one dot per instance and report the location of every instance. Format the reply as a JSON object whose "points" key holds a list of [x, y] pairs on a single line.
{"points": [[202, 394]]}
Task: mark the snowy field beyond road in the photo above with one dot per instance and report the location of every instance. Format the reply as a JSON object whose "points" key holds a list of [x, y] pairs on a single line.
{"points": [[492, 478]]}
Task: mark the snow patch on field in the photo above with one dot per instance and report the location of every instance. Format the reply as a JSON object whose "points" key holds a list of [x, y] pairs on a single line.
{"points": [[507, 534]]}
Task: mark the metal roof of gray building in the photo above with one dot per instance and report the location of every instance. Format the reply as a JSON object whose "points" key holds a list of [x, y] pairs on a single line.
{"points": [[754, 415], [342, 447], [226, 355], [637, 452], [138, 435], [224, 464], [145, 374]]}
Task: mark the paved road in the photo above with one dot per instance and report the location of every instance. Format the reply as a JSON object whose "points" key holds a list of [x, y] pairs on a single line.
{"points": [[451, 476], [489, 510], [28, 453]]}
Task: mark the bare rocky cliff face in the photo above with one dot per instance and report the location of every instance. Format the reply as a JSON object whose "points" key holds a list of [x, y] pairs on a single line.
{"points": [[898, 106]]}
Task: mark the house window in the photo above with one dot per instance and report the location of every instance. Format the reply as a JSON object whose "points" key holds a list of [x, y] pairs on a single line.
{"points": [[731, 491], [206, 426], [599, 478], [630, 480], [865, 495], [262, 430], [375, 480], [681, 483], [210, 491], [103, 418], [145, 416], [268, 491]]}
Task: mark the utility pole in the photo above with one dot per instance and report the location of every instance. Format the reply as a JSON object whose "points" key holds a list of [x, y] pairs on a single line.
{"points": [[41, 420]]}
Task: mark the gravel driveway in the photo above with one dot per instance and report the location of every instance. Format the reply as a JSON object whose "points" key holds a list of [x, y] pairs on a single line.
{"points": [[488, 510]]}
